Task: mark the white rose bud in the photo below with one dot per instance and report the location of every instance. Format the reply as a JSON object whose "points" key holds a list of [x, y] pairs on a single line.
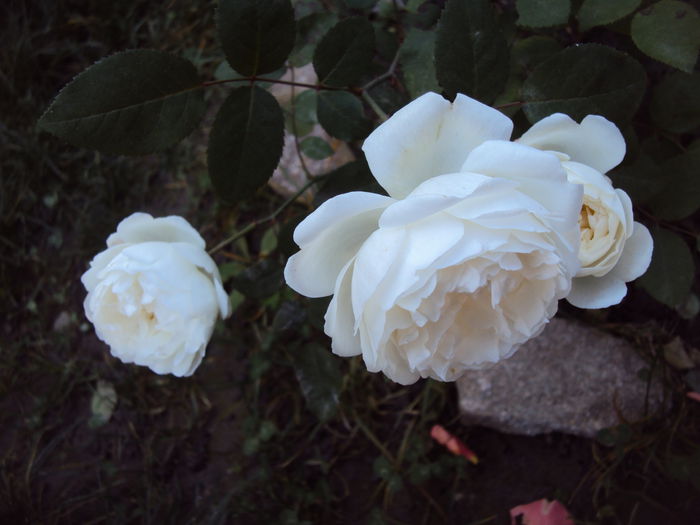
{"points": [[463, 262], [614, 248], [154, 294]]}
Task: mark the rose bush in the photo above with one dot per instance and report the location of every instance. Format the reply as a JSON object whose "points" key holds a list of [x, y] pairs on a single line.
{"points": [[463, 261], [614, 248], [154, 294]]}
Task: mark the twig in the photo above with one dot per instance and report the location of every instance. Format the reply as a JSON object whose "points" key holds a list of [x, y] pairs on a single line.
{"points": [[375, 107], [270, 217]]}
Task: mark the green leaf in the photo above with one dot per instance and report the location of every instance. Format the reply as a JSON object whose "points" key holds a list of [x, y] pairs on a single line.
{"points": [[260, 280], [342, 116], [289, 317], [304, 114], [594, 13], [471, 53], [316, 148], [268, 243], [353, 176], [530, 52], [641, 180], [417, 62], [345, 53], [310, 30], [133, 102], [245, 143], [589, 79], [670, 274], [681, 195], [256, 35], [543, 13], [360, 4], [319, 376], [675, 103], [668, 31]]}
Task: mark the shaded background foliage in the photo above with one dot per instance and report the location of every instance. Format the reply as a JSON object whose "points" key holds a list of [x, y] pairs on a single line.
{"points": [[273, 428]]}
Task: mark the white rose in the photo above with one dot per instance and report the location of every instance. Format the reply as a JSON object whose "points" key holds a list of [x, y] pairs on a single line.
{"points": [[464, 261], [154, 294], [614, 248]]}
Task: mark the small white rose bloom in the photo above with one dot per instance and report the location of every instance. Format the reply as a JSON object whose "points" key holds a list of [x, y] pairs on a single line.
{"points": [[614, 248], [154, 294], [463, 262]]}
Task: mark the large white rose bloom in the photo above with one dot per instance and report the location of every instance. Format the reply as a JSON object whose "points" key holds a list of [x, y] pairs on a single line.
{"points": [[154, 294], [614, 248], [463, 262]]}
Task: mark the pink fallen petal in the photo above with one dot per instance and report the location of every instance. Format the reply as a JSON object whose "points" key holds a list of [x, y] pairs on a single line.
{"points": [[542, 512], [694, 395], [452, 443]]}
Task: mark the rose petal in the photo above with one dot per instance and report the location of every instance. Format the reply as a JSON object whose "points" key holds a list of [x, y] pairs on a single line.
{"points": [[695, 396], [340, 321], [142, 227], [540, 175], [437, 194], [596, 142], [542, 512], [90, 278], [337, 210], [636, 255], [597, 292], [429, 137], [329, 238], [202, 260]]}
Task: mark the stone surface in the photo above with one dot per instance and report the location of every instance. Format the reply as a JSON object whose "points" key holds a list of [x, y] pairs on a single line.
{"points": [[571, 378], [291, 173]]}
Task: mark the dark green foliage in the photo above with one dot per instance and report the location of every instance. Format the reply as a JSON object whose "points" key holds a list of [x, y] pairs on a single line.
{"points": [[133, 102], [595, 13], [672, 268], [680, 196], [360, 4], [642, 179], [341, 115], [668, 31], [353, 176], [256, 35], [318, 372], [543, 13], [589, 79], [675, 103], [417, 62], [245, 144], [471, 53], [316, 148], [530, 52], [310, 30], [260, 280], [344, 54]]}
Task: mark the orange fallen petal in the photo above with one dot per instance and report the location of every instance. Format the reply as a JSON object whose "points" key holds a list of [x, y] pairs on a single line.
{"points": [[694, 395], [452, 443], [542, 512]]}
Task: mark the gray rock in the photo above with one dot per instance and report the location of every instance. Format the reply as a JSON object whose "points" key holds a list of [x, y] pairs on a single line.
{"points": [[571, 378]]}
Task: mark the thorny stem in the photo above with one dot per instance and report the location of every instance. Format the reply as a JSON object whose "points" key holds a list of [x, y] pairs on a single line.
{"points": [[270, 217]]}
